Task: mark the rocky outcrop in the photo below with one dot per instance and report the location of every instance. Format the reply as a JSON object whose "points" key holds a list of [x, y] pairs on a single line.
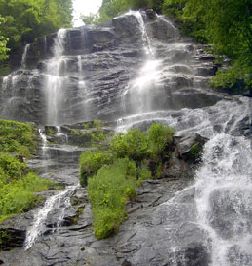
{"points": [[98, 66], [189, 147]]}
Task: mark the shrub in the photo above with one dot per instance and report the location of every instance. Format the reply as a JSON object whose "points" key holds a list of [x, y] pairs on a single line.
{"points": [[17, 185], [114, 176], [17, 137], [109, 191], [90, 162], [132, 144], [159, 138], [11, 168], [18, 196]]}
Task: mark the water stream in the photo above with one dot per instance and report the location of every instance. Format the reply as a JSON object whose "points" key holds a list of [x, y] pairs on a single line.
{"points": [[57, 203], [54, 90], [24, 55]]}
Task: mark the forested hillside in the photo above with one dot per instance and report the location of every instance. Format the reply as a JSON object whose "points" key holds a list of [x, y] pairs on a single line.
{"points": [[225, 24], [21, 21]]}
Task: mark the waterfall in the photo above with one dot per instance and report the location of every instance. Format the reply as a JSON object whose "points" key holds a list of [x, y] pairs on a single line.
{"points": [[24, 55], [142, 87], [145, 38], [44, 142], [224, 199], [59, 202], [54, 89], [138, 90]]}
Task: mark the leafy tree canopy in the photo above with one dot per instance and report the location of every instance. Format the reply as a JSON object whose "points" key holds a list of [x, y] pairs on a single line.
{"points": [[21, 21]]}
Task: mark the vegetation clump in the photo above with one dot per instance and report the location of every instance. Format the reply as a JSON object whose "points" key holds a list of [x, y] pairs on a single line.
{"points": [[23, 21], [114, 175], [228, 29], [17, 137], [17, 183], [160, 137], [109, 191], [91, 162]]}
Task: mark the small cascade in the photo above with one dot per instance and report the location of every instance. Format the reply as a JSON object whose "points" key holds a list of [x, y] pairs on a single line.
{"points": [[81, 83], [59, 203], [5, 82], [44, 142], [24, 55], [45, 44], [56, 204], [62, 135], [138, 91], [145, 38], [14, 99], [54, 92], [143, 86]]}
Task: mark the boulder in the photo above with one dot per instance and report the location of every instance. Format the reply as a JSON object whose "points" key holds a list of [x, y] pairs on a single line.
{"points": [[189, 147]]}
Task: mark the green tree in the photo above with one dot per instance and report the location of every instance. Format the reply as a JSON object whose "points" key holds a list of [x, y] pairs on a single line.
{"points": [[3, 44], [225, 24], [25, 20]]}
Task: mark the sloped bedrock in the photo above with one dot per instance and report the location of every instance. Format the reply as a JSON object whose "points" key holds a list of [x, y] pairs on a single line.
{"points": [[166, 236]]}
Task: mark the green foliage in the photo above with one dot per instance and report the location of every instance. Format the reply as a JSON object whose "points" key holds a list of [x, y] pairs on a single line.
{"points": [[90, 19], [228, 29], [159, 138], [18, 196], [17, 184], [236, 78], [143, 174], [134, 145], [109, 191], [97, 136], [195, 151], [11, 168], [3, 42], [17, 137], [113, 8], [90, 162], [25, 20], [113, 176]]}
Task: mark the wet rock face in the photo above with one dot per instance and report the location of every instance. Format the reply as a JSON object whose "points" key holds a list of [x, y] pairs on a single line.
{"points": [[97, 68]]}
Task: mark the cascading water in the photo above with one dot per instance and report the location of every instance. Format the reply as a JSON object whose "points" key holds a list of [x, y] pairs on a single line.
{"points": [[24, 55], [58, 202], [145, 38], [138, 90], [44, 143], [62, 135], [54, 90], [224, 199]]}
